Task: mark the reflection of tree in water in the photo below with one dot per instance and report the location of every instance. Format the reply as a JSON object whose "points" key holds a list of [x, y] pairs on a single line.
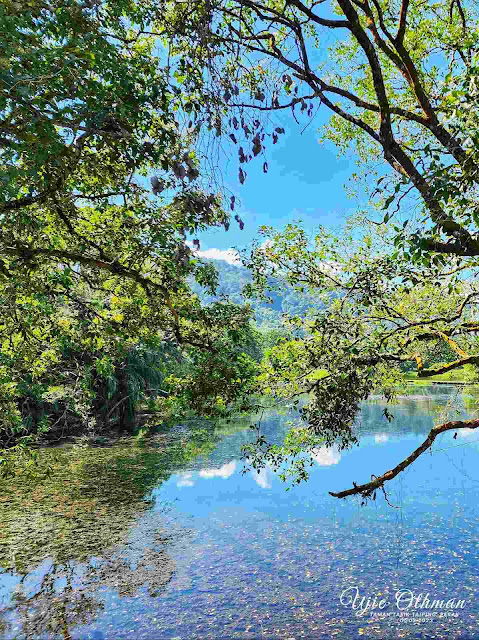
{"points": [[66, 594], [66, 534], [422, 405], [47, 609]]}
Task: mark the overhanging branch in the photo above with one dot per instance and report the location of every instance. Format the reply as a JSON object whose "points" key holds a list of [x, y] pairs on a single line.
{"points": [[426, 373], [367, 490]]}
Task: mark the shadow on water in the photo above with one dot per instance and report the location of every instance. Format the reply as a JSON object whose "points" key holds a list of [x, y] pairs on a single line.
{"points": [[170, 539]]}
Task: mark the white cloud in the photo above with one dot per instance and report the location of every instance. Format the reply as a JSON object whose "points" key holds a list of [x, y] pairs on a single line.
{"points": [[263, 478], [223, 472], [326, 456], [381, 437], [228, 255]]}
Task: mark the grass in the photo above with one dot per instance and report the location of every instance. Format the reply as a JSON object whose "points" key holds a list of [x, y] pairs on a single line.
{"points": [[463, 375]]}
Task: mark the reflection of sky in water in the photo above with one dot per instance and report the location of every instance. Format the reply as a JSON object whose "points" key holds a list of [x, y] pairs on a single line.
{"points": [[323, 456], [260, 562]]}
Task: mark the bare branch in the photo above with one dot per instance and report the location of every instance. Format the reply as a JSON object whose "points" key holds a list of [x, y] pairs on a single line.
{"points": [[366, 490], [402, 20]]}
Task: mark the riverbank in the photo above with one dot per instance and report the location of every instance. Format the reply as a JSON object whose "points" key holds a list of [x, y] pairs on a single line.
{"points": [[428, 381], [457, 376]]}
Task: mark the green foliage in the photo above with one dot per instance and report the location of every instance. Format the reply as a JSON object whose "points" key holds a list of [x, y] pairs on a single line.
{"points": [[399, 81], [95, 306], [377, 315]]}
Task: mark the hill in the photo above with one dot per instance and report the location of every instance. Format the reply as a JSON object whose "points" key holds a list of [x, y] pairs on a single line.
{"points": [[231, 281]]}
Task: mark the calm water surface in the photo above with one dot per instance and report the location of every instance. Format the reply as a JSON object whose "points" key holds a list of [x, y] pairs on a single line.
{"points": [[171, 540]]}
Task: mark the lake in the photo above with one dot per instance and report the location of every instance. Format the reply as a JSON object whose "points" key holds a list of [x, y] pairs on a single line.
{"points": [[169, 539]]}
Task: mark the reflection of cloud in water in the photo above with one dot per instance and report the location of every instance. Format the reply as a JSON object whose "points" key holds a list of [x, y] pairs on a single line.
{"points": [[381, 437], [326, 456], [186, 480], [263, 478], [466, 433], [225, 471]]}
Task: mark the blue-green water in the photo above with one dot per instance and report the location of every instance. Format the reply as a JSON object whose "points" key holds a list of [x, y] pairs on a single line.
{"points": [[213, 553]]}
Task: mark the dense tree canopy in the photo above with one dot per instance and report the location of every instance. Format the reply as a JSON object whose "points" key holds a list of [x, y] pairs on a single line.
{"points": [[100, 187]]}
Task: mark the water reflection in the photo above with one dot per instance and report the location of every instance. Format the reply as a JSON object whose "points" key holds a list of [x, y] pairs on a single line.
{"points": [[263, 478], [171, 539], [326, 456], [225, 471], [72, 532]]}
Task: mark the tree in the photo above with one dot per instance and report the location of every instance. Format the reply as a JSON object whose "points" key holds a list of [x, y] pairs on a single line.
{"points": [[383, 314], [93, 255], [413, 70], [400, 82]]}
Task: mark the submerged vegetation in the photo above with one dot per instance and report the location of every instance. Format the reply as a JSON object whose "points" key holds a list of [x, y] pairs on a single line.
{"points": [[80, 504], [82, 499]]}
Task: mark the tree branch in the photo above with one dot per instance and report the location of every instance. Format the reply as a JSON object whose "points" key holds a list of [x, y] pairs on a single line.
{"points": [[427, 373], [454, 346], [113, 267], [334, 24], [368, 489], [402, 20]]}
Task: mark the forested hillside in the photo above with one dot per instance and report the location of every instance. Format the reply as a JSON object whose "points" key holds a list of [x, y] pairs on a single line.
{"points": [[267, 312]]}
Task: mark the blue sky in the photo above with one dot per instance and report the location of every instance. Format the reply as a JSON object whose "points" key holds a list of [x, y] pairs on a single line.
{"points": [[305, 181]]}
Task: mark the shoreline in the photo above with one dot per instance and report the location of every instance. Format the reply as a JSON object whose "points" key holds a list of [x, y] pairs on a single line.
{"points": [[426, 381]]}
